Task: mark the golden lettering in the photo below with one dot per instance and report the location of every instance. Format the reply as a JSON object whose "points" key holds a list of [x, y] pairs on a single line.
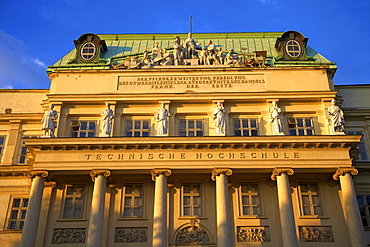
{"points": [[231, 155], [171, 156], [221, 155], [209, 156], [88, 156], [296, 155], [198, 155], [182, 155], [285, 156], [120, 156], [110, 156], [131, 156], [264, 155], [150, 156], [98, 156], [275, 155], [242, 155], [161, 156], [254, 155]]}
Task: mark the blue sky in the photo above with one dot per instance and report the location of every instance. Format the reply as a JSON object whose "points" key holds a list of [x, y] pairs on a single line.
{"points": [[35, 34]]}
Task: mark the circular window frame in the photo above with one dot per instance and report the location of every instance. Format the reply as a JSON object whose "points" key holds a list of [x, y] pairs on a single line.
{"points": [[84, 54], [296, 44]]}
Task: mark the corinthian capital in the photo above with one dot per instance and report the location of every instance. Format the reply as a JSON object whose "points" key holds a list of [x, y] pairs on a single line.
{"points": [[278, 171], [342, 171], [156, 172], [217, 171], [33, 174], [95, 173]]}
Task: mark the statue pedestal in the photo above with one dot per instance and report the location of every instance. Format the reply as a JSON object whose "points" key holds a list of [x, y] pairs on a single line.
{"points": [[338, 133]]}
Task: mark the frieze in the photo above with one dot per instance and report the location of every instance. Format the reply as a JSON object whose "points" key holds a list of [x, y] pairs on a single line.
{"points": [[131, 235], [191, 156], [198, 83], [316, 233], [69, 236], [253, 234]]}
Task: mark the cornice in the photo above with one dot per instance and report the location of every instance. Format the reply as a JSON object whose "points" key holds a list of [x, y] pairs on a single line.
{"points": [[193, 143]]}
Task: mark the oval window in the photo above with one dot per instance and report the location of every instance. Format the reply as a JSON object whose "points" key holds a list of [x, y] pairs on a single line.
{"points": [[293, 48], [88, 51]]}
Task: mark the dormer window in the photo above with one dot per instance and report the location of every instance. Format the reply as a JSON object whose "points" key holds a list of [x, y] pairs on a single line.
{"points": [[293, 49], [88, 50]]}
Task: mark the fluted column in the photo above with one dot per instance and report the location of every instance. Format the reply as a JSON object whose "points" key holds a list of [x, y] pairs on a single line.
{"points": [[160, 207], [224, 224], [31, 222], [95, 231], [287, 221], [351, 210]]}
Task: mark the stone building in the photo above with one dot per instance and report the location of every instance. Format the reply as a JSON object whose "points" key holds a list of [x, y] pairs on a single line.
{"points": [[227, 139]]}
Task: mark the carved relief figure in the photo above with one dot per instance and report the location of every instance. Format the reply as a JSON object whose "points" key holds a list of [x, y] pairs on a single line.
{"points": [[49, 122], [337, 117], [219, 118], [316, 234], [252, 235], [131, 235], [167, 58], [192, 235], [162, 120], [106, 118], [276, 119]]}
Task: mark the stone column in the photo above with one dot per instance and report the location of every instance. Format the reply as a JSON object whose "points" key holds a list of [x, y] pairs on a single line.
{"points": [[287, 221], [31, 222], [351, 209], [160, 207], [224, 225], [95, 231]]}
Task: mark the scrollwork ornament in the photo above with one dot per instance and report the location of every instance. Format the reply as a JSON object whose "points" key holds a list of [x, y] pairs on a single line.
{"points": [[343, 171], [50, 184], [156, 172], [33, 174], [216, 172], [278, 171], [95, 173]]}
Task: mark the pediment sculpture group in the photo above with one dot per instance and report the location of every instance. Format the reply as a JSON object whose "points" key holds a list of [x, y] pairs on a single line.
{"points": [[49, 120], [189, 52]]}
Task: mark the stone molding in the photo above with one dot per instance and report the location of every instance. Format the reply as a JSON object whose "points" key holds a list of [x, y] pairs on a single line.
{"points": [[33, 174], [342, 171], [278, 171], [218, 171], [156, 172], [95, 173]]}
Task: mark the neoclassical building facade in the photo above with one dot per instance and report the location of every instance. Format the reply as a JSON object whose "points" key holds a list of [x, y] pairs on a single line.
{"points": [[225, 139]]}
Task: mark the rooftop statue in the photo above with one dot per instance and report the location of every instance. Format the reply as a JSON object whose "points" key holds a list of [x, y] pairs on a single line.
{"points": [[232, 59], [212, 58], [189, 47], [276, 119], [106, 118], [336, 117], [219, 118], [178, 52], [156, 54], [49, 122]]}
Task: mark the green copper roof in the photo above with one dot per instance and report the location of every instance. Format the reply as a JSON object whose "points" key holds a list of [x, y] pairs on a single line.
{"points": [[120, 46]]}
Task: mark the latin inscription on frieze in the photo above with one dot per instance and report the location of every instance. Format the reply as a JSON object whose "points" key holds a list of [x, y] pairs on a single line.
{"points": [[204, 83]]}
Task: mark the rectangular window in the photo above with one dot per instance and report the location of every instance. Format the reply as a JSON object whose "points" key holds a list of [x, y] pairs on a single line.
{"points": [[133, 201], [250, 199], [83, 128], [73, 202], [245, 127], [364, 204], [309, 199], [301, 126], [22, 155], [18, 208], [191, 127], [191, 200], [137, 128], [361, 146], [2, 145]]}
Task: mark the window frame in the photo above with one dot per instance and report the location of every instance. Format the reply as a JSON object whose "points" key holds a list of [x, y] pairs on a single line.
{"points": [[242, 129], [92, 54], [2, 146], [195, 129], [77, 123], [22, 154], [200, 194], [311, 204], [141, 130], [63, 202], [133, 205], [19, 221], [366, 208], [289, 44], [297, 128], [250, 196]]}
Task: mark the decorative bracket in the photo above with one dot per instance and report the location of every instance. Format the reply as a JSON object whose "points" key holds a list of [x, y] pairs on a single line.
{"points": [[156, 172], [217, 172], [342, 171], [278, 171]]}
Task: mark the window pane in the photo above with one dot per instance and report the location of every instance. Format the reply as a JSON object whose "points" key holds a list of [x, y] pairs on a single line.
{"points": [[186, 200], [16, 203], [238, 133], [196, 188], [305, 200], [68, 202], [254, 133], [145, 134], [127, 212], [14, 214], [182, 124], [67, 213], [245, 200], [79, 202], [137, 124], [306, 211], [253, 123], [245, 123], [128, 125], [191, 124], [128, 134], [199, 133], [293, 132], [23, 214], [199, 124], [197, 211], [256, 211], [236, 123], [246, 210], [136, 134], [138, 212], [304, 187], [25, 202], [83, 125], [145, 125], [91, 134], [12, 224], [138, 201], [82, 134], [128, 201], [91, 125], [77, 213], [254, 188], [301, 132], [191, 133], [186, 211]]}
